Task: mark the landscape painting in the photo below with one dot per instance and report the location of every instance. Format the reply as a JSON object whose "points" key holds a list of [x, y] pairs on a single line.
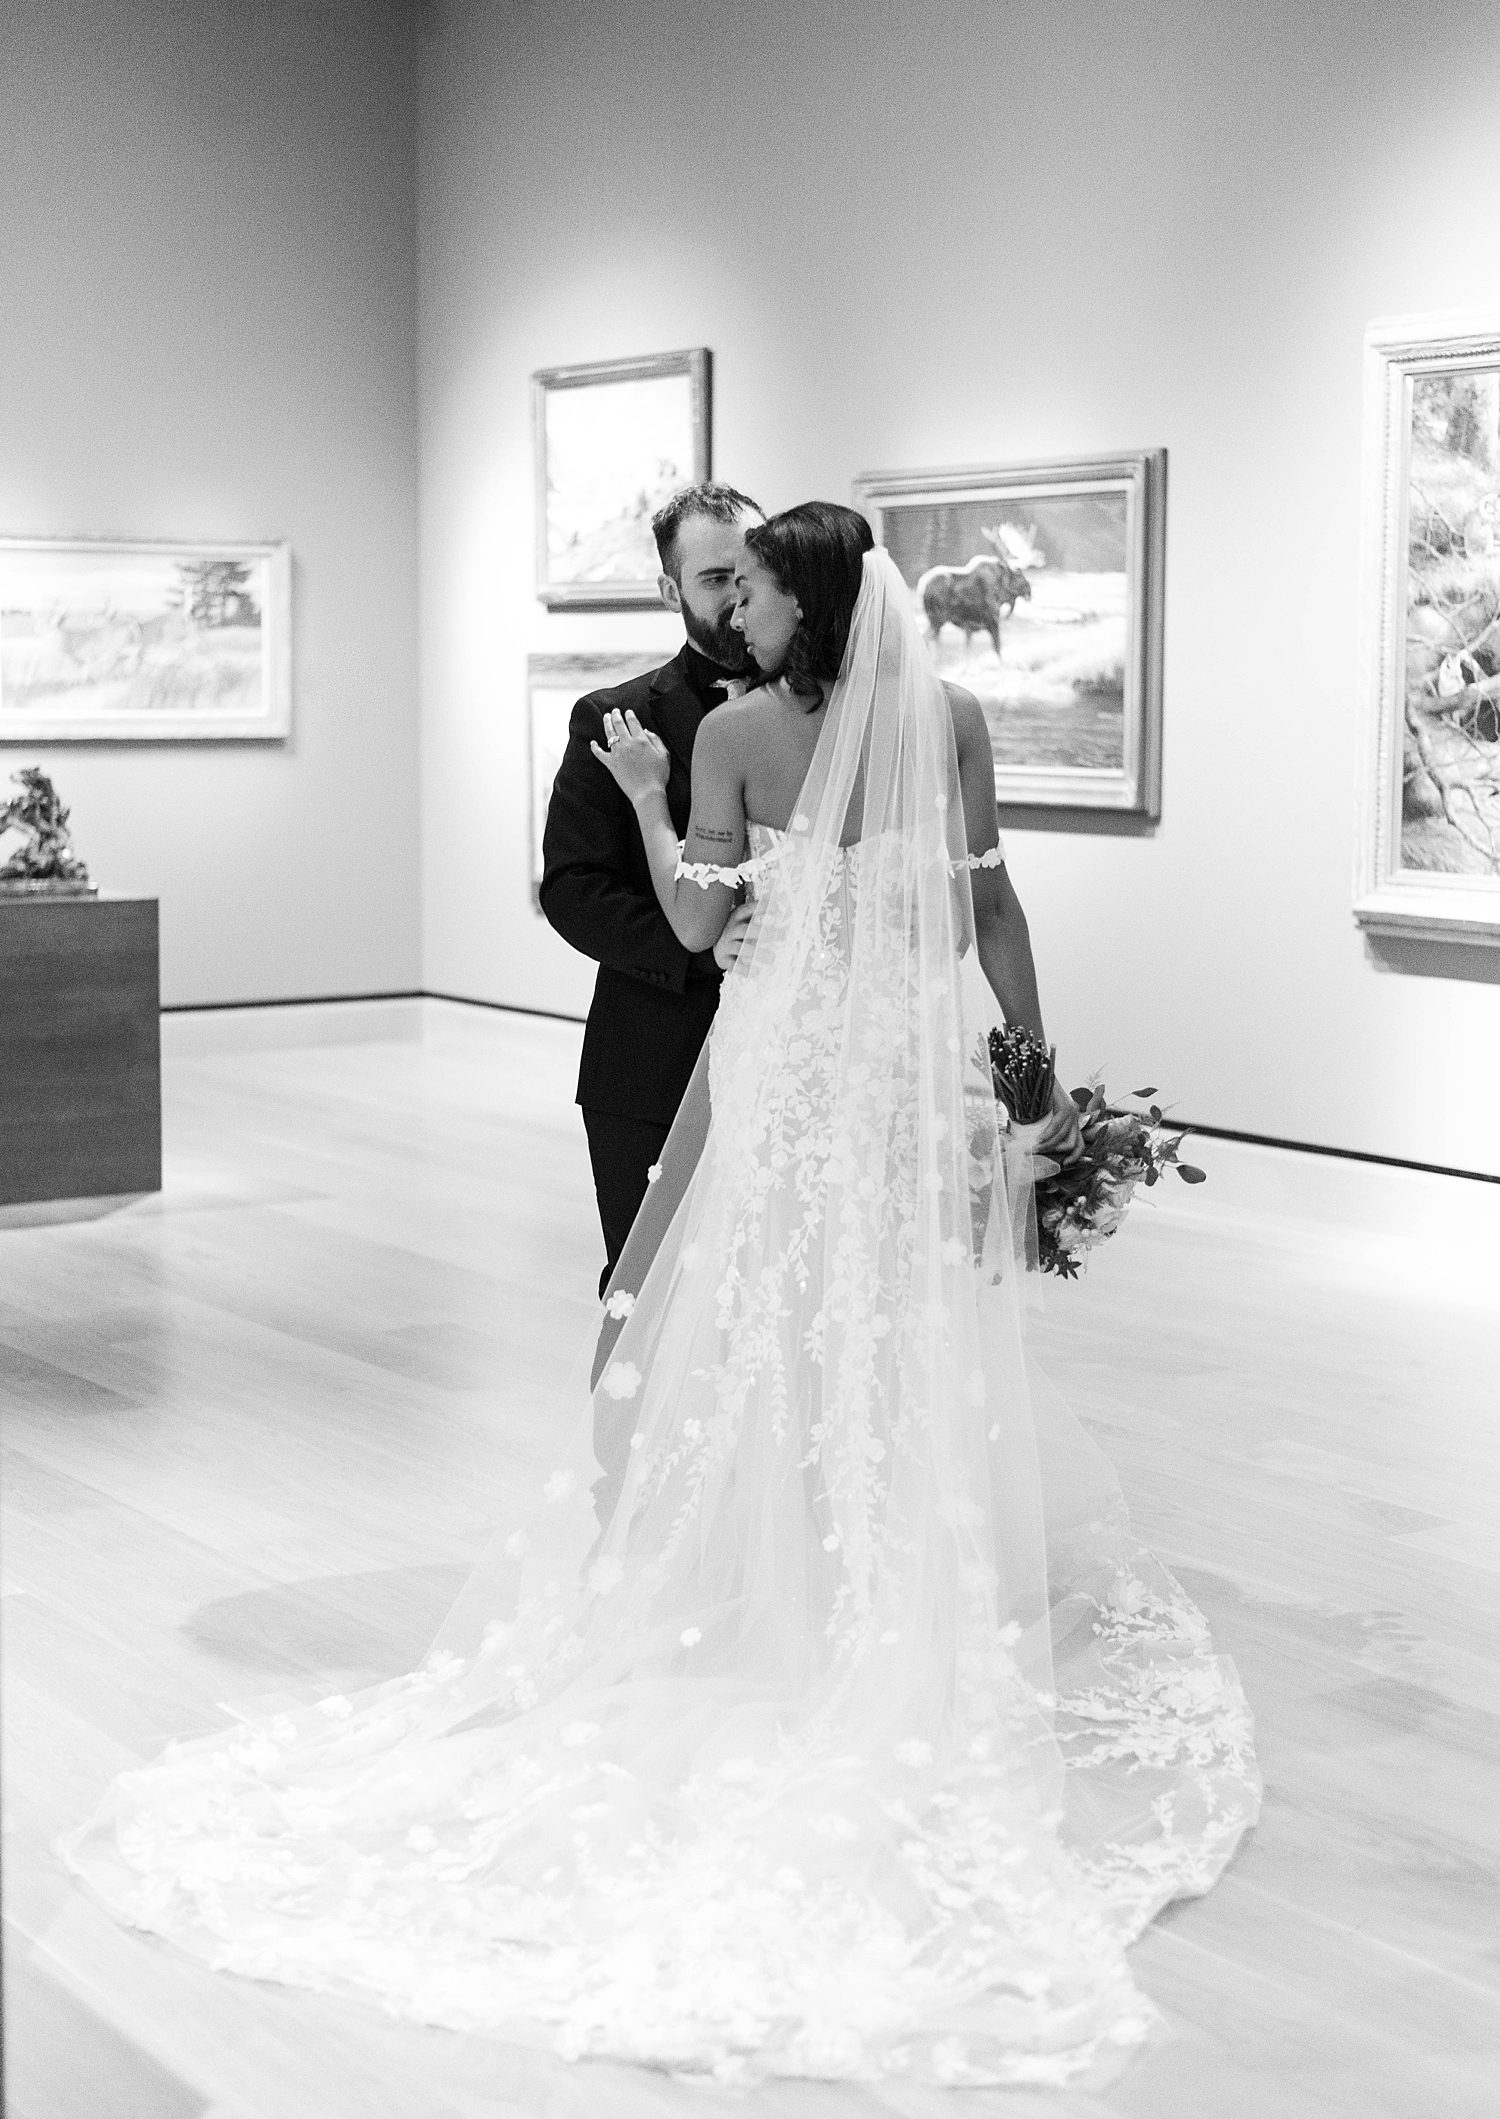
{"points": [[1431, 857], [613, 440], [143, 641], [554, 685], [1450, 811], [1038, 588]]}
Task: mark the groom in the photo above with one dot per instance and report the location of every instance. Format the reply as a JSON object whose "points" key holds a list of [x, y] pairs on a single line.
{"points": [[653, 999]]}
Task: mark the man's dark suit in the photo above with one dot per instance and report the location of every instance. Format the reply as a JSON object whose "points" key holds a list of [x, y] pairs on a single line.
{"points": [[653, 1000]]}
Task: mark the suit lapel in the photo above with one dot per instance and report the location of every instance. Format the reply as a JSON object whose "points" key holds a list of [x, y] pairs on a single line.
{"points": [[675, 711]]}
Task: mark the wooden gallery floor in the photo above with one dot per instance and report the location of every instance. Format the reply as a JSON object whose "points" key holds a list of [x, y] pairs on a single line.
{"points": [[255, 1430]]}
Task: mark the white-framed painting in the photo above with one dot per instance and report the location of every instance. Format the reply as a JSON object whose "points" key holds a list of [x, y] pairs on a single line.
{"points": [[612, 441], [554, 685], [143, 640], [1040, 589], [1428, 858]]}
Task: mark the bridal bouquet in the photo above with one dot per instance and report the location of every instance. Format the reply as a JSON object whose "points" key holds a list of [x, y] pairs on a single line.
{"points": [[1078, 1204]]}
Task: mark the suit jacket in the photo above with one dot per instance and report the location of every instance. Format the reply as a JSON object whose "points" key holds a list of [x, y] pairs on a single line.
{"points": [[653, 1000]]}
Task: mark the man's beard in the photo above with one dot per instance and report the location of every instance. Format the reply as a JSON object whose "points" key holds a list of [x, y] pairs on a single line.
{"points": [[720, 643]]}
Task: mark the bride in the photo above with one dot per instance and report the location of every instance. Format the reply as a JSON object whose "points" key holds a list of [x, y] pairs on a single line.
{"points": [[863, 1737]]}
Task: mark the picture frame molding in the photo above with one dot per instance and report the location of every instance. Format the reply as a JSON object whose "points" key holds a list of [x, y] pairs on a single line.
{"points": [[273, 726], [694, 362], [1141, 474], [1421, 905]]}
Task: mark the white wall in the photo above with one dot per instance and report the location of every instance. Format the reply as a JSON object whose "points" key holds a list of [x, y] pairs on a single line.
{"points": [[207, 329], [911, 238], [986, 231]]}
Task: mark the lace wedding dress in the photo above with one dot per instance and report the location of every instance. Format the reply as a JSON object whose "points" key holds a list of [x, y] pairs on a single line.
{"points": [[864, 1737]]}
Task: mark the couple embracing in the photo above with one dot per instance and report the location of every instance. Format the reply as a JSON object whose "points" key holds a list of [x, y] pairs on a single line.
{"points": [[661, 966], [856, 1735]]}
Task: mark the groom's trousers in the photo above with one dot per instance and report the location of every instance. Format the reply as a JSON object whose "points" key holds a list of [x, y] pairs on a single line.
{"points": [[621, 1151]]}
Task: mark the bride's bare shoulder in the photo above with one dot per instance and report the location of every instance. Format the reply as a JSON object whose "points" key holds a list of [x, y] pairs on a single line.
{"points": [[727, 737], [966, 713], [754, 705], [737, 721]]}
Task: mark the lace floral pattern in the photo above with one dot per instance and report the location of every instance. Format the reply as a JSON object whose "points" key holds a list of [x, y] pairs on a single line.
{"points": [[845, 1749]]}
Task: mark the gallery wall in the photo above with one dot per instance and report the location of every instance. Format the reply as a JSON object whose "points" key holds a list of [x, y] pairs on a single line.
{"points": [[209, 331], [976, 234]]}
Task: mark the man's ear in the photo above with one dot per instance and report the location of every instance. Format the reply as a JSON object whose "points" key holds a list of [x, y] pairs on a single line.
{"points": [[670, 593]]}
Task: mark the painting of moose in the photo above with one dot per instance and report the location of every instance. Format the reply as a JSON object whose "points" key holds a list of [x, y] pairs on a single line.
{"points": [[975, 596], [1038, 588]]}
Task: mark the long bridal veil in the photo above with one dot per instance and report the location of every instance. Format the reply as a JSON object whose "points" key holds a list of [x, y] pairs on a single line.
{"points": [[863, 1736]]}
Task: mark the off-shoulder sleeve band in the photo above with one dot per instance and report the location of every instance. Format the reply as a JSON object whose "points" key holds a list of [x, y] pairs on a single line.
{"points": [[707, 873], [995, 858]]}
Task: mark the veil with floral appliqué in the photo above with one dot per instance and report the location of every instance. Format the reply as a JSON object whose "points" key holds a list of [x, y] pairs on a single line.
{"points": [[839, 1140], [861, 1736], [814, 1408]]}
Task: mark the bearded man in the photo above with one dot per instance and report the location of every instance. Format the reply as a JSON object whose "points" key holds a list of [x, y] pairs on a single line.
{"points": [[653, 999]]}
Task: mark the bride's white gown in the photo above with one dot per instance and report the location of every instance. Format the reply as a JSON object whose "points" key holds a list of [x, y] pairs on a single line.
{"points": [[866, 1737]]}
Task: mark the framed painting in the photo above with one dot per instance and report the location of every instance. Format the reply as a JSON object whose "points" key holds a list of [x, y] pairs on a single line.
{"points": [[136, 640], [554, 685], [1040, 588], [1428, 858], [612, 440]]}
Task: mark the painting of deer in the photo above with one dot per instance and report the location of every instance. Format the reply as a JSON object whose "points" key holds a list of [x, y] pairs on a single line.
{"points": [[132, 639]]}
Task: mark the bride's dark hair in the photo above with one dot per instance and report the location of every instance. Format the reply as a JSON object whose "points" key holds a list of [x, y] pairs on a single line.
{"points": [[816, 552]]}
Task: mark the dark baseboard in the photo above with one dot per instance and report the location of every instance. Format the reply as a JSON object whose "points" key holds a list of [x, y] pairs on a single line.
{"points": [[466, 1000], [334, 1000], [555, 1015], [1348, 1155], [290, 1000]]}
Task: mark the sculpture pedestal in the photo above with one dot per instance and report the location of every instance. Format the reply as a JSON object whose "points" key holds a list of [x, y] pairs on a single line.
{"points": [[80, 1048]]}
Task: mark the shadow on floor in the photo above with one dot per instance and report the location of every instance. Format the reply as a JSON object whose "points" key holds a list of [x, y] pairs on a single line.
{"points": [[381, 1624]]}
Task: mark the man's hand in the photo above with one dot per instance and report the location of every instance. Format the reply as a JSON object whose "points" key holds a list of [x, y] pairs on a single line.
{"points": [[636, 759], [1063, 1139], [732, 940]]}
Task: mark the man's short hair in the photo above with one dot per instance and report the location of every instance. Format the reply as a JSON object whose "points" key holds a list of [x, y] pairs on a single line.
{"points": [[719, 503]]}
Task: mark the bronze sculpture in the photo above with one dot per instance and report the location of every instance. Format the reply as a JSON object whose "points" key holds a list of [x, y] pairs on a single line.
{"points": [[44, 865]]}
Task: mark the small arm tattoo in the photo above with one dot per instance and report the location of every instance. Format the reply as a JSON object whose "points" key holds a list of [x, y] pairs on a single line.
{"points": [[713, 838]]}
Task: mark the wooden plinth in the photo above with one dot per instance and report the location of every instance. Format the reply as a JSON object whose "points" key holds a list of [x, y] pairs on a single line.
{"points": [[80, 1048]]}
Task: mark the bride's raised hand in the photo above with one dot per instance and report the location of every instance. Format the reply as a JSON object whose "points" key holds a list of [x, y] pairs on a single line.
{"points": [[635, 759]]}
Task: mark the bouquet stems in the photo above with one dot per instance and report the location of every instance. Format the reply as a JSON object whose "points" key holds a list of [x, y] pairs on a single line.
{"points": [[1025, 1071]]}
